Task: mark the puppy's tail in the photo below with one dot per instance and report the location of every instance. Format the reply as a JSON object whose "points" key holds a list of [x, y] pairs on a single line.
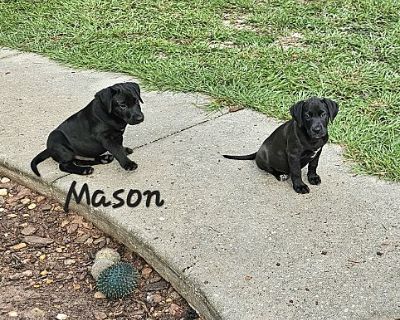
{"points": [[246, 157], [38, 159]]}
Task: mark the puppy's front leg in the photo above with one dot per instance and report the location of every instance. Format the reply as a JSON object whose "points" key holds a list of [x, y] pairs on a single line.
{"points": [[295, 173], [119, 152], [312, 175]]}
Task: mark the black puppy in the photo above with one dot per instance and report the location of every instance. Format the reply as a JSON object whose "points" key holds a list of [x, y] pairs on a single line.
{"points": [[95, 129], [296, 143]]}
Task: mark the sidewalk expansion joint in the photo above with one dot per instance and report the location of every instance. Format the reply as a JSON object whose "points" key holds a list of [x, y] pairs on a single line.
{"points": [[178, 131], [65, 175]]}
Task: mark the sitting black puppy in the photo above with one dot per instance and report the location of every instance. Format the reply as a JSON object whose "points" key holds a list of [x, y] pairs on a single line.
{"points": [[296, 143], [95, 129]]}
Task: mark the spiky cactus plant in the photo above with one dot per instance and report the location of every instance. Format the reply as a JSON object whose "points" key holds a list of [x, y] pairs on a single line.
{"points": [[118, 280]]}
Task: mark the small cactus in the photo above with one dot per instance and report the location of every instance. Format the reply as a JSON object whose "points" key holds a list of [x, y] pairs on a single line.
{"points": [[118, 280]]}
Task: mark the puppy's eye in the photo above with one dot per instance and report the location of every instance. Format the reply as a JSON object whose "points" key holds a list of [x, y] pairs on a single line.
{"points": [[307, 116], [323, 115]]}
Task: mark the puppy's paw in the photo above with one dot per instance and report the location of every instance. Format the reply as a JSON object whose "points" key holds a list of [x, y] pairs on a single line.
{"points": [[301, 188], [106, 158], [87, 171], [128, 150], [283, 177], [129, 165], [314, 179]]}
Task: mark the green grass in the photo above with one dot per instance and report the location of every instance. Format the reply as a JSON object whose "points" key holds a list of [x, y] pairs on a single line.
{"points": [[240, 52]]}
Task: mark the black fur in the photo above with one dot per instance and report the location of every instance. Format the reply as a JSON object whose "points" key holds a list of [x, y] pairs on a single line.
{"points": [[94, 130], [297, 142]]}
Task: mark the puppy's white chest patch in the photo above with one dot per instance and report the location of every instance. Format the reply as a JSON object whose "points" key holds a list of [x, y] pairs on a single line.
{"points": [[315, 153]]}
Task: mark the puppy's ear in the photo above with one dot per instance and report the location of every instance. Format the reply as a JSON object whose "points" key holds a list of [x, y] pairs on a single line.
{"points": [[134, 89], [333, 108], [297, 112], [105, 97]]}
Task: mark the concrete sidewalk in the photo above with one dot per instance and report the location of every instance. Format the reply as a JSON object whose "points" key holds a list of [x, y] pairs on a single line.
{"points": [[236, 243]]}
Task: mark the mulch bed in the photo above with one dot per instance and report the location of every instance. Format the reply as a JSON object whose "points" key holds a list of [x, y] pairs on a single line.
{"points": [[45, 260]]}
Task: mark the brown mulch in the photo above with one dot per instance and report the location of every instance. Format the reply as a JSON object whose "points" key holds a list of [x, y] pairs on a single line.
{"points": [[45, 260]]}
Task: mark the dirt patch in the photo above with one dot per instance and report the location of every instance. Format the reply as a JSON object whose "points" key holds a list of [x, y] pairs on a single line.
{"points": [[293, 40], [305, 1], [238, 22], [45, 260], [222, 45]]}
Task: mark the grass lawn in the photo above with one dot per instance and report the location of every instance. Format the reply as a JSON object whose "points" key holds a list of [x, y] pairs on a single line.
{"points": [[260, 54]]}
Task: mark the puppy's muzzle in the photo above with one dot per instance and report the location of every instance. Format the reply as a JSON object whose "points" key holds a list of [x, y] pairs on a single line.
{"points": [[136, 119], [317, 132]]}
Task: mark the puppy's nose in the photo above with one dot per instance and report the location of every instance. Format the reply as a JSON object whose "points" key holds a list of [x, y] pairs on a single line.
{"points": [[139, 117], [317, 129]]}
